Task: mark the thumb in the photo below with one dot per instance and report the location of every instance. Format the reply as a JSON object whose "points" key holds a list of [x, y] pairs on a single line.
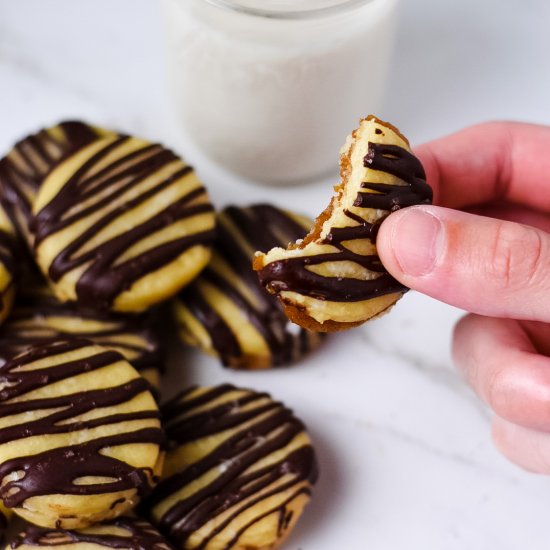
{"points": [[483, 265]]}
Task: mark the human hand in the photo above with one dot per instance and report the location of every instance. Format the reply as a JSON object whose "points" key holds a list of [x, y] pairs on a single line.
{"points": [[485, 248]]}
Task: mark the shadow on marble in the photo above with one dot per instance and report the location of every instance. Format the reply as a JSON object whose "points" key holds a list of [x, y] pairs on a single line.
{"points": [[178, 374], [328, 493]]}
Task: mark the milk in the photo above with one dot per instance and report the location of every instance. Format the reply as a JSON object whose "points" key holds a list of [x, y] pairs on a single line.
{"points": [[273, 97]]}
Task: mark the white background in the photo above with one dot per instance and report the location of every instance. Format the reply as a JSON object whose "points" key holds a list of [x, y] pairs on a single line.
{"points": [[404, 446]]}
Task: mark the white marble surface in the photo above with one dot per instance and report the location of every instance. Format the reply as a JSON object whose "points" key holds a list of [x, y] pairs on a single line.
{"points": [[404, 446]]}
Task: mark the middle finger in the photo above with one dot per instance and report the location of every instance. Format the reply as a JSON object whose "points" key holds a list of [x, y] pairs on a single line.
{"points": [[505, 369]]}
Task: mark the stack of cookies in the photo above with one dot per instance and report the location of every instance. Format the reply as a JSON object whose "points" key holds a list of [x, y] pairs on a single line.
{"points": [[98, 231], [106, 238]]}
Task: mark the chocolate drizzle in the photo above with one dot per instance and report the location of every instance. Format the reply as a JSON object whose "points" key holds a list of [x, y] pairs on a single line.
{"points": [[40, 474], [292, 274], [24, 168], [138, 535], [39, 318], [8, 261], [101, 195], [259, 427], [7, 246], [241, 231], [402, 164]]}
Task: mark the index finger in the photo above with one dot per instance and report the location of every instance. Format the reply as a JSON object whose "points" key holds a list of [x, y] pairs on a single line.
{"points": [[489, 162]]}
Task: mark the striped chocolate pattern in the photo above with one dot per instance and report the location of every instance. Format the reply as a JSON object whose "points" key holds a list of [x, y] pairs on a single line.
{"points": [[127, 533], [8, 264], [239, 470], [333, 279], [122, 224], [295, 273], [68, 412], [25, 166], [226, 311], [39, 318]]}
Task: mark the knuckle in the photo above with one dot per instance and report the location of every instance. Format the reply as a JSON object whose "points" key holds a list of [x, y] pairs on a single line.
{"points": [[517, 256], [502, 396], [515, 401], [495, 394]]}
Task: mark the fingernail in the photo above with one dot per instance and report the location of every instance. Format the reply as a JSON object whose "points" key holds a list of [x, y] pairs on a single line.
{"points": [[416, 241]]}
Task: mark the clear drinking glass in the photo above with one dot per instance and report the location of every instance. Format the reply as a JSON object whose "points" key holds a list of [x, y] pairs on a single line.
{"points": [[270, 89]]}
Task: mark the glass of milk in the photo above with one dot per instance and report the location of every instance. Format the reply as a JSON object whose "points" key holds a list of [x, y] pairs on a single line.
{"points": [[271, 88]]}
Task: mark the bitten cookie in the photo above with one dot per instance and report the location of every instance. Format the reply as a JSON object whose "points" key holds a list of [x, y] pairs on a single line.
{"points": [[126, 533], [25, 166], [333, 279], [8, 264], [226, 312], [239, 470], [79, 435], [122, 224], [39, 318]]}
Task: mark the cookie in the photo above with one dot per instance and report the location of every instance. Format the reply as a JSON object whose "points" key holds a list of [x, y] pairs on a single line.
{"points": [[239, 470], [8, 265], [126, 533], [25, 166], [39, 318], [226, 312], [79, 435], [121, 225], [333, 279]]}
